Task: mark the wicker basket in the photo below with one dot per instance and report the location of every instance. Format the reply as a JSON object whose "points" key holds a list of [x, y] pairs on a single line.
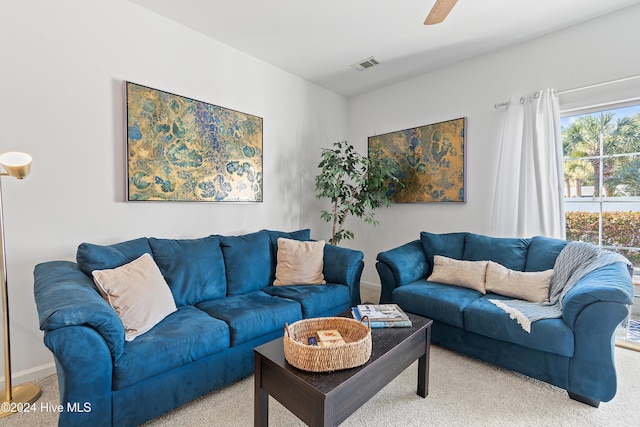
{"points": [[355, 352]]}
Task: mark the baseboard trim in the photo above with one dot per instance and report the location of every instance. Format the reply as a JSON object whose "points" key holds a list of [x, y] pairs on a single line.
{"points": [[31, 374], [627, 344]]}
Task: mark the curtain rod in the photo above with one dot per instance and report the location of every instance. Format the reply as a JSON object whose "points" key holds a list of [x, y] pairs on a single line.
{"points": [[598, 85], [601, 105], [562, 92]]}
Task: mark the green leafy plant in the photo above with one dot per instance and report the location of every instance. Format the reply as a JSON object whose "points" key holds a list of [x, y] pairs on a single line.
{"points": [[356, 185], [619, 228]]}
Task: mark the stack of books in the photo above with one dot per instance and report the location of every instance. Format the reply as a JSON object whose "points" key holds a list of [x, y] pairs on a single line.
{"points": [[382, 315]]}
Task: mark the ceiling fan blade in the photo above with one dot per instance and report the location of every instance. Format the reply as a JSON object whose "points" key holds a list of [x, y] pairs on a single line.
{"points": [[439, 11]]}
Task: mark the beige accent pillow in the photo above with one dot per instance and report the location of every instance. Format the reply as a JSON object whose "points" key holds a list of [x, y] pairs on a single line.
{"points": [[530, 286], [467, 274], [138, 293], [299, 263]]}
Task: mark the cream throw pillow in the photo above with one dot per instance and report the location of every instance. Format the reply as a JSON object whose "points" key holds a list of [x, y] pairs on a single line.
{"points": [[466, 274], [530, 286], [299, 263], [138, 293]]}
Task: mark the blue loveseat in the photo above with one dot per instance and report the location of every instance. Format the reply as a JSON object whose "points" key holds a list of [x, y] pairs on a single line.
{"points": [[226, 305], [574, 352]]}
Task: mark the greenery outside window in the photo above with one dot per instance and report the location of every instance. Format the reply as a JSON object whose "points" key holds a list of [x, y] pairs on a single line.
{"points": [[602, 179]]}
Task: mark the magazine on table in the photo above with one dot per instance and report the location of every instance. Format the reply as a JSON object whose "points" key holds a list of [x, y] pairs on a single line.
{"points": [[382, 315]]}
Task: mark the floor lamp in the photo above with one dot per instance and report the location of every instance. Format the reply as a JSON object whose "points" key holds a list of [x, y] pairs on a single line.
{"points": [[17, 165]]}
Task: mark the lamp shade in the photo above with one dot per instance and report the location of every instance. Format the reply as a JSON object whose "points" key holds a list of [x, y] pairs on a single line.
{"points": [[16, 164]]}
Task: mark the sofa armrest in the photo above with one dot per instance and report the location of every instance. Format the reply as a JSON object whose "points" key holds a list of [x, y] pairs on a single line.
{"points": [[593, 309], [344, 266], [400, 266], [611, 283], [592, 370], [85, 372], [65, 296]]}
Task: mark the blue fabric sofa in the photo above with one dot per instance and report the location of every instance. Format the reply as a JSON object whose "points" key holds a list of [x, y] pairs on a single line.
{"points": [[226, 306], [574, 352]]}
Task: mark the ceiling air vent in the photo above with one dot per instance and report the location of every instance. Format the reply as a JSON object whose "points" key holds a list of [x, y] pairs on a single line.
{"points": [[366, 63]]}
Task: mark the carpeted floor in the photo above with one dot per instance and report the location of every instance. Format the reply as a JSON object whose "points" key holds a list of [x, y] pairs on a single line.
{"points": [[462, 392]]}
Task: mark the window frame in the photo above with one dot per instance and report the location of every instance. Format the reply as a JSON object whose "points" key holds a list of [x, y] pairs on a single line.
{"points": [[602, 200]]}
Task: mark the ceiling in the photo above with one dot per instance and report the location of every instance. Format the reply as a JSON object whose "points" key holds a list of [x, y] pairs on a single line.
{"points": [[319, 40]]}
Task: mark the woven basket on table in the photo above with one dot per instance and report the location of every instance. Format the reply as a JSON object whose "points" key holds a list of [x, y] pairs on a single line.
{"points": [[355, 352]]}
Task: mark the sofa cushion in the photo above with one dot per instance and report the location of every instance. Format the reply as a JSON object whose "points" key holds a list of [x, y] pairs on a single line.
{"points": [[248, 262], [138, 293], [529, 286], [485, 318], [316, 300], [512, 253], [252, 315], [468, 274], [299, 263], [96, 257], [302, 235], [445, 303], [450, 245], [193, 268], [543, 252], [181, 338]]}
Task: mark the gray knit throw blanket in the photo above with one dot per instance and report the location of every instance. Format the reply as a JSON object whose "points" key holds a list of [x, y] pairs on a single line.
{"points": [[575, 261]]}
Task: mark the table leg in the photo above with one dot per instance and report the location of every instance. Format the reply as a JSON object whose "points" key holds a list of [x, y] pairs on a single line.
{"points": [[261, 415], [327, 413], [423, 367], [261, 397]]}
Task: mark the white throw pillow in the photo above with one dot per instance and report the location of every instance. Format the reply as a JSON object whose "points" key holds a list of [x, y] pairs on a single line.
{"points": [[299, 263], [139, 294], [529, 286], [466, 274]]}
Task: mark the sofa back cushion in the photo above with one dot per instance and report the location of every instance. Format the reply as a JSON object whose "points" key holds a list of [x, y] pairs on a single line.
{"points": [[510, 252], [248, 262], [193, 268], [96, 257], [450, 245], [543, 252], [303, 235]]}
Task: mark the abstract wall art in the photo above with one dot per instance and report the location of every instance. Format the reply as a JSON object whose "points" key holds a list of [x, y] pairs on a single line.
{"points": [[180, 149], [431, 161]]}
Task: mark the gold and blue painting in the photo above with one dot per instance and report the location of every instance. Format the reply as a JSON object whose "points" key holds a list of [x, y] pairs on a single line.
{"points": [[180, 149], [430, 161]]}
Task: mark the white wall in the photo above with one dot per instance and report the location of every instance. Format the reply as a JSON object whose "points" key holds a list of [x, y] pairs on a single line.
{"points": [[600, 50], [61, 72]]}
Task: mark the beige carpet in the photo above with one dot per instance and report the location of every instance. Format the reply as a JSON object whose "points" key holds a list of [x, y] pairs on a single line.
{"points": [[462, 392]]}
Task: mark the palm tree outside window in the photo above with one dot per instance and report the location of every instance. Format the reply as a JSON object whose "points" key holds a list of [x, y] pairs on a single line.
{"points": [[602, 185]]}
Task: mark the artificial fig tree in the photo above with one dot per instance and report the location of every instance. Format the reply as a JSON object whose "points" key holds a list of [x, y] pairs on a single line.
{"points": [[356, 185]]}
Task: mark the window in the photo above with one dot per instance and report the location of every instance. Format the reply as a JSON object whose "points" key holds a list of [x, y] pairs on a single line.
{"points": [[602, 179]]}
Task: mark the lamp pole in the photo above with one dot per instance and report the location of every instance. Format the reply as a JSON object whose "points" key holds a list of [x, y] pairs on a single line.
{"points": [[17, 165], [5, 310]]}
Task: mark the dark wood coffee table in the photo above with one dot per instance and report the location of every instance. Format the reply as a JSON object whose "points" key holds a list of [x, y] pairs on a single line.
{"points": [[327, 399]]}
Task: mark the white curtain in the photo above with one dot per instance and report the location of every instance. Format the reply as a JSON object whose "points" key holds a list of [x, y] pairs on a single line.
{"points": [[529, 188]]}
